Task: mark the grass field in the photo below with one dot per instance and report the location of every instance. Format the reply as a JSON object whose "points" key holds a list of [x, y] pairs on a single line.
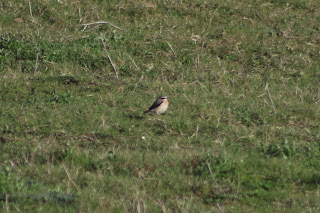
{"points": [[242, 133]]}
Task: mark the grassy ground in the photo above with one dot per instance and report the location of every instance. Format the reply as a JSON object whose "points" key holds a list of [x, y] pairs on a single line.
{"points": [[242, 132]]}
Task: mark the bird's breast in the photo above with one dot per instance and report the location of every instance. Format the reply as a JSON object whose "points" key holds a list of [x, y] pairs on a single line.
{"points": [[163, 107]]}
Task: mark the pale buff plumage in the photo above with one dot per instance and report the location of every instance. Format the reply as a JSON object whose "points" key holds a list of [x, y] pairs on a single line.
{"points": [[159, 106]]}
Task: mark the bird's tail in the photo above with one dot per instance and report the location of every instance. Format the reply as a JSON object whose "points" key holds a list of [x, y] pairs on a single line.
{"points": [[146, 111]]}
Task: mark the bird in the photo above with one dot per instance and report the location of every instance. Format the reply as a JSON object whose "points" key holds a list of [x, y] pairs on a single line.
{"points": [[159, 106]]}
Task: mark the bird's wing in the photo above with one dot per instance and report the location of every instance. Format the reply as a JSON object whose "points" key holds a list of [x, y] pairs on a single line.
{"points": [[156, 104]]}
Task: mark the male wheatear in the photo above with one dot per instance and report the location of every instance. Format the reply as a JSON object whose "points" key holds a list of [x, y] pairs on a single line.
{"points": [[159, 106]]}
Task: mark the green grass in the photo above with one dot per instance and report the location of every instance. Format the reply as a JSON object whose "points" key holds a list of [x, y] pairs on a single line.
{"points": [[242, 133]]}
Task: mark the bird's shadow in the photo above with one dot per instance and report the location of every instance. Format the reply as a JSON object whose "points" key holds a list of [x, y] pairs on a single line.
{"points": [[136, 116]]}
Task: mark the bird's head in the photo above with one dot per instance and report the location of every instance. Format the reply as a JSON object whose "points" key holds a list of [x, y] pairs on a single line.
{"points": [[163, 97]]}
